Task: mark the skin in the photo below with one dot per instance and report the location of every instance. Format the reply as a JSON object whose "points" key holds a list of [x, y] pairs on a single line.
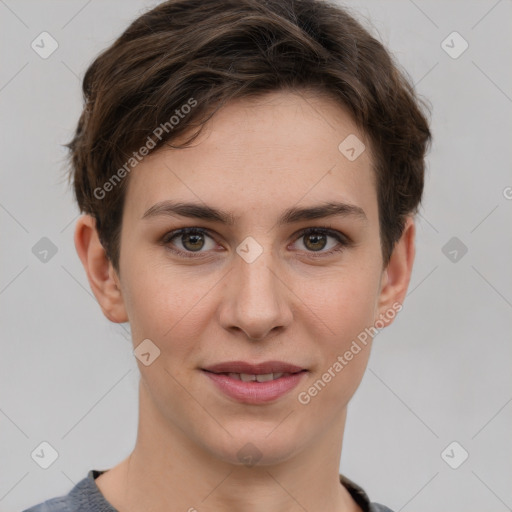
{"points": [[256, 158]]}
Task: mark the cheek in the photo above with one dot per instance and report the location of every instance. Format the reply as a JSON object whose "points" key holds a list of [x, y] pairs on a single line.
{"points": [[344, 302], [166, 306], [342, 354]]}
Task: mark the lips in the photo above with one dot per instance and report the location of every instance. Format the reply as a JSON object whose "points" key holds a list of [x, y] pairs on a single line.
{"points": [[255, 383], [251, 377], [265, 368]]}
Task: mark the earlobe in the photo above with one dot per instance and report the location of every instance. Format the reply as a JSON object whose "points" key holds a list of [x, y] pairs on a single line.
{"points": [[396, 276], [102, 277]]}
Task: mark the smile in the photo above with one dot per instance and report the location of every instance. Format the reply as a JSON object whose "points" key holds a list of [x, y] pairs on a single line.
{"points": [[265, 377], [254, 389]]}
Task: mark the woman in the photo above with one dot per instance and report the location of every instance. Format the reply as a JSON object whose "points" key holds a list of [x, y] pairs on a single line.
{"points": [[249, 173]]}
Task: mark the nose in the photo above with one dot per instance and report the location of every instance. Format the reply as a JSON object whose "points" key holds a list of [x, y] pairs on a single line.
{"points": [[255, 299]]}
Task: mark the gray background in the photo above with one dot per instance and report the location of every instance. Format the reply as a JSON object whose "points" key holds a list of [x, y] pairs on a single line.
{"points": [[440, 373]]}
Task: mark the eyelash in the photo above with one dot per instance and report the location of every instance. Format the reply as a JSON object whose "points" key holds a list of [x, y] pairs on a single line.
{"points": [[343, 241]]}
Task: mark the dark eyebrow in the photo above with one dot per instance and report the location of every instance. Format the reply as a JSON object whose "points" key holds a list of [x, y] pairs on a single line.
{"points": [[294, 214]]}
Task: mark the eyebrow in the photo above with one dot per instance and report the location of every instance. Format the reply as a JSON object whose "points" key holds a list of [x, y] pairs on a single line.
{"points": [[289, 216]]}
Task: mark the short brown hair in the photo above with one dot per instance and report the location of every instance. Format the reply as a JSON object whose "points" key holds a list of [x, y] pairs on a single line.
{"points": [[202, 53]]}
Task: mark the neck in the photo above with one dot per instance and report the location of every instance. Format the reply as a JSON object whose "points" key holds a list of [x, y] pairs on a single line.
{"points": [[167, 471]]}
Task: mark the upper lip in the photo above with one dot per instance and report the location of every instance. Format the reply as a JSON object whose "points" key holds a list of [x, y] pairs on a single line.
{"points": [[254, 369]]}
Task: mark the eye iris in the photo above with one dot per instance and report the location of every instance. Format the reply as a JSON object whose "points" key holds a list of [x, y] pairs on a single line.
{"points": [[194, 241], [193, 238], [316, 237]]}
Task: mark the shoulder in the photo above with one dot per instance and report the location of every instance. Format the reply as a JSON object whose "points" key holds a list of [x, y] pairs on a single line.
{"points": [[360, 497], [376, 507], [60, 504], [83, 497]]}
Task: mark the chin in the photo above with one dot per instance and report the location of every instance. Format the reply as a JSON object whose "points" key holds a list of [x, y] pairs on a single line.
{"points": [[255, 447]]}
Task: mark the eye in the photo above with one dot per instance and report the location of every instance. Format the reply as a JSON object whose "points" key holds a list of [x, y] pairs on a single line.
{"points": [[192, 240], [315, 239]]}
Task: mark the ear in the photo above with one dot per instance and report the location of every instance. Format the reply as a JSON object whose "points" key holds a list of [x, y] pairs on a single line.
{"points": [[396, 276], [103, 279]]}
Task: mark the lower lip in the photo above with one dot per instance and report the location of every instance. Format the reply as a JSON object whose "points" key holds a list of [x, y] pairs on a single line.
{"points": [[255, 392]]}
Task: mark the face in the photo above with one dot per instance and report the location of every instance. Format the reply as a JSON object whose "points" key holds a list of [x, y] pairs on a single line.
{"points": [[256, 269]]}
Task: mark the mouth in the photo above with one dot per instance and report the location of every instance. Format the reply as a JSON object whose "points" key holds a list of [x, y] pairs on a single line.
{"points": [[245, 368], [255, 383], [261, 377]]}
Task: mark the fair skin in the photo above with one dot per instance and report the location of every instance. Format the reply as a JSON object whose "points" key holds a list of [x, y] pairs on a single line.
{"points": [[256, 159]]}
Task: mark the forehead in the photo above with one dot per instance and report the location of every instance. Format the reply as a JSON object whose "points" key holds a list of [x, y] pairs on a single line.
{"points": [[259, 154]]}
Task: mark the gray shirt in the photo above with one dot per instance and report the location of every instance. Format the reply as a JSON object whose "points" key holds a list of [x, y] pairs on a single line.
{"points": [[86, 496]]}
